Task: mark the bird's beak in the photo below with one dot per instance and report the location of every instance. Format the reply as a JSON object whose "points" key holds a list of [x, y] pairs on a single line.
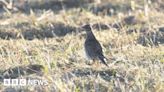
{"points": [[82, 27]]}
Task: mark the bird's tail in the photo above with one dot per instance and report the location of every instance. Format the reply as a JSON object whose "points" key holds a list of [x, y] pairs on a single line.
{"points": [[102, 58]]}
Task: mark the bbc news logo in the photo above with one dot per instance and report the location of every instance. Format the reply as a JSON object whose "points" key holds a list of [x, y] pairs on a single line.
{"points": [[24, 82]]}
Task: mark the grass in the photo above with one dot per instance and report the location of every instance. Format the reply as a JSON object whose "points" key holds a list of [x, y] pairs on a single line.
{"points": [[54, 40]]}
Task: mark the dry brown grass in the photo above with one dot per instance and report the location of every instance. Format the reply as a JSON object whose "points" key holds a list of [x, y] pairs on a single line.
{"points": [[54, 40]]}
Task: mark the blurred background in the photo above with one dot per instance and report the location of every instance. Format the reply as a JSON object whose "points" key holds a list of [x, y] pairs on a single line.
{"points": [[46, 36]]}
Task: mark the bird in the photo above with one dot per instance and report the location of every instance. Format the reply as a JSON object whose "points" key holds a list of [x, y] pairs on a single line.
{"points": [[92, 46]]}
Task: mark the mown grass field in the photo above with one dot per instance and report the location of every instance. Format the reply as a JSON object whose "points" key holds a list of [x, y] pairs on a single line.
{"points": [[48, 33]]}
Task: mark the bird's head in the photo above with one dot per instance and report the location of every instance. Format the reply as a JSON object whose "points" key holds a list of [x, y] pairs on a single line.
{"points": [[87, 27]]}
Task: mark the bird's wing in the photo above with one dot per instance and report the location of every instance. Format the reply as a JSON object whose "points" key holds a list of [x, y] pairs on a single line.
{"points": [[93, 46], [98, 48]]}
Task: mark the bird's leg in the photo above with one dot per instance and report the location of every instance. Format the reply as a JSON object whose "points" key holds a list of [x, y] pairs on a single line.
{"points": [[93, 62], [88, 62], [96, 64]]}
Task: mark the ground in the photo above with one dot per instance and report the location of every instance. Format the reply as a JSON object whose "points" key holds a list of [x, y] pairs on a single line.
{"points": [[48, 33]]}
